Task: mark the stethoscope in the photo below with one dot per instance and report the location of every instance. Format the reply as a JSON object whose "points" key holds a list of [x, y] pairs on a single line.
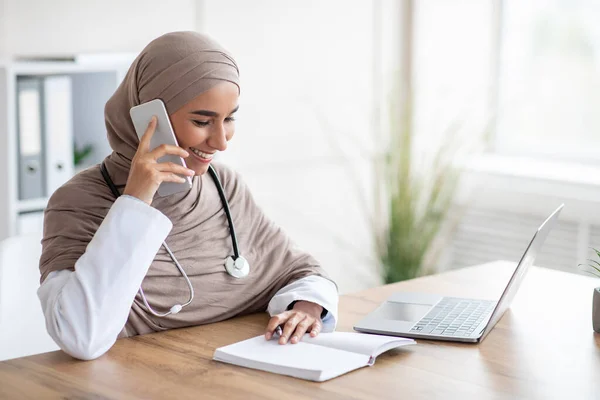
{"points": [[236, 265]]}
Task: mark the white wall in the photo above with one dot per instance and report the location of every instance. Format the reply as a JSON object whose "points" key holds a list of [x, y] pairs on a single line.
{"points": [[34, 27], [3, 49], [306, 125]]}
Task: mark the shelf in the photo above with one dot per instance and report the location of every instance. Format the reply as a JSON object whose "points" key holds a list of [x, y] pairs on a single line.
{"points": [[113, 65], [93, 82], [31, 205]]}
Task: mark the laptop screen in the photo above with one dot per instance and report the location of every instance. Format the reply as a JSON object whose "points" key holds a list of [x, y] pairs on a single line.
{"points": [[526, 261]]}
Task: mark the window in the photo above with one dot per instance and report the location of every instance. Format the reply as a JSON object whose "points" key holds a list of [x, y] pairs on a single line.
{"points": [[549, 80]]}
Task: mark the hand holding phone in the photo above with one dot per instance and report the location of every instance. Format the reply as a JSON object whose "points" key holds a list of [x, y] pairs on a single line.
{"points": [[147, 173], [163, 135]]}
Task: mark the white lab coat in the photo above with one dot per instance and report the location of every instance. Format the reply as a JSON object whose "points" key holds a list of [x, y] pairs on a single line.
{"points": [[86, 309]]}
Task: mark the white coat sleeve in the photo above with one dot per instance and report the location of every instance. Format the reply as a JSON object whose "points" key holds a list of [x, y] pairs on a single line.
{"points": [[86, 309], [315, 289]]}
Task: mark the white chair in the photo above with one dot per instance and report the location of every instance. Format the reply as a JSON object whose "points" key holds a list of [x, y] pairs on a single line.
{"points": [[22, 325]]}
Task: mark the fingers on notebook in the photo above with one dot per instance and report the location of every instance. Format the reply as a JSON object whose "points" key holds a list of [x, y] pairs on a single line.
{"points": [[295, 325], [316, 329], [274, 322], [302, 328], [290, 326]]}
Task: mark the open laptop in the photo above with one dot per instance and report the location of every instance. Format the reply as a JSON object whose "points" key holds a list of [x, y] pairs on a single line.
{"points": [[428, 316]]}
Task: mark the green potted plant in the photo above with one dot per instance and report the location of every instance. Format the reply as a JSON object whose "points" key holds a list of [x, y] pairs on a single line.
{"points": [[417, 189], [418, 200], [413, 194], [595, 270], [81, 153]]}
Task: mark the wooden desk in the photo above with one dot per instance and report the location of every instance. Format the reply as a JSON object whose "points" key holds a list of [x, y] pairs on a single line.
{"points": [[543, 348]]}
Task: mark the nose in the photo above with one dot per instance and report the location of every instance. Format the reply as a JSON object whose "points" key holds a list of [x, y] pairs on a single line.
{"points": [[218, 139]]}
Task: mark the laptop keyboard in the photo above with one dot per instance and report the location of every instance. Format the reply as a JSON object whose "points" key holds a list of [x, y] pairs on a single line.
{"points": [[454, 317]]}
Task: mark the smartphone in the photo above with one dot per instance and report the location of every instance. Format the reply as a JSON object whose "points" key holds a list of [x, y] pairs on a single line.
{"points": [[164, 134]]}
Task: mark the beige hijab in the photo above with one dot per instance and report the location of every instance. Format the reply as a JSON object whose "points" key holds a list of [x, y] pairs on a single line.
{"points": [[176, 68]]}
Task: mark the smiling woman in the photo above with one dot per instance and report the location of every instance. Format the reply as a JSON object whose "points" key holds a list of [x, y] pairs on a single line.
{"points": [[206, 124], [97, 254]]}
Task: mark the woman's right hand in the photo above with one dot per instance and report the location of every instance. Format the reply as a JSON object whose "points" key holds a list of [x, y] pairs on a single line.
{"points": [[146, 174]]}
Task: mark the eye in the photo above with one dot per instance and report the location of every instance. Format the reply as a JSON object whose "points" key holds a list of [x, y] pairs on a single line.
{"points": [[201, 124], [229, 119]]}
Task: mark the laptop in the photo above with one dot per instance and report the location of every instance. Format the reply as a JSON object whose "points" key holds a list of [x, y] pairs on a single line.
{"points": [[428, 316]]}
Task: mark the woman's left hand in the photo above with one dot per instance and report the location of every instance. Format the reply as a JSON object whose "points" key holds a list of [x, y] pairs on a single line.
{"points": [[304, 317]]}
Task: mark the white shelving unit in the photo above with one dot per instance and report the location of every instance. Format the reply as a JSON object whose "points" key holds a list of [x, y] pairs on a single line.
{"points": [[92, 85]]}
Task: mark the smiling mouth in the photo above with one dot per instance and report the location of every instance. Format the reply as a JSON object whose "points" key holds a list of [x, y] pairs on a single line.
{"points": [[201, 155]]}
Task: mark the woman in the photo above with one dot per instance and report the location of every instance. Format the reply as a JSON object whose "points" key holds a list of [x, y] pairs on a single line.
{"points": [[98, 251]]}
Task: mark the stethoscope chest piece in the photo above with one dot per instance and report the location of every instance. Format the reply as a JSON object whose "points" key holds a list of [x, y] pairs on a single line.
{"points": [[238, 268]]}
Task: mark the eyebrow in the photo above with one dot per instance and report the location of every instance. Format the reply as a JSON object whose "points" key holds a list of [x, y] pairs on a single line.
{"points": [[208, 113]]}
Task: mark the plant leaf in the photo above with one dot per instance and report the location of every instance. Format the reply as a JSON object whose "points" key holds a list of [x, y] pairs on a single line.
{"points": [[592, 273], [591, 266], [594, 261]]}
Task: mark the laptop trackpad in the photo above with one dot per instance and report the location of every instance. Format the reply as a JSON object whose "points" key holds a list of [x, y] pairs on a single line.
{"points": [[402, 311]]}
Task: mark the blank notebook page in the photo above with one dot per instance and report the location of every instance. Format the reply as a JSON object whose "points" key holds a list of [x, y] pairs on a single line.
{"points": [[370, 345]]}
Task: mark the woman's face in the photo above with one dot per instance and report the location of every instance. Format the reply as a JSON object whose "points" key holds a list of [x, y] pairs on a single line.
{"points": [[205, 125]]}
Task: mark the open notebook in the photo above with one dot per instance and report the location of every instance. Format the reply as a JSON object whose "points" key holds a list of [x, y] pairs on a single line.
{"points": [[315, 359]]}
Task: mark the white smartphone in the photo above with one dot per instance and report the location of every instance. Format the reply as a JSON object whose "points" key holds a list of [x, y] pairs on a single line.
{"points": [[164, 134]]}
